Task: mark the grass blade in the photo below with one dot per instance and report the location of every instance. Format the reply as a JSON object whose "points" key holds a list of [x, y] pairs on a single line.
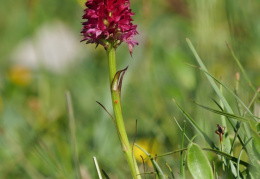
{"points": [[226, 137], [235, 128], [203, 134], [237, 98], [97, 167], [170, 169], [105, 174], [213, 84], [226, 155], [211, 79], [182, 130], [217, 90], [73, 135], [224, 113], [234, 159], [181, 154], [256, 152], [157, 168], [238, 161]]}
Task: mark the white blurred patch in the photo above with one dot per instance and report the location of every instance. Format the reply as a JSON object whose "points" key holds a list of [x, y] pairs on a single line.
{"points": [[54, 47]]}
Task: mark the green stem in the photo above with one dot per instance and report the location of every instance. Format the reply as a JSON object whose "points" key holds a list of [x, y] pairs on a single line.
{"points": [[222, 158], [116, 101], [181, 156]]}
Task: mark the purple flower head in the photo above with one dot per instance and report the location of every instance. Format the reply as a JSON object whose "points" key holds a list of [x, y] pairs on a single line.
{"points": [[109, 21]]}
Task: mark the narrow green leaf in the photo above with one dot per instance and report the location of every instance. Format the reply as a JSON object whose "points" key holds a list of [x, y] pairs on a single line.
{"points": [[223, 99], [226, 138], [239, 157], [105, 174], [203, 134], [233, 94], [170, 169], [234, 159], [256, 143], [226, 155], [182, 129], [198, 163], [239, 118], [182, 171], [157, 168], [211, 79], [73, 141], [168, 153], [235, 128], [213, 84], [97, 167]]}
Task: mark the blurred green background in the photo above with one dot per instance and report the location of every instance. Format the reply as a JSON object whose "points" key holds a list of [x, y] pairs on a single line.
{"points": [[41, 57]]}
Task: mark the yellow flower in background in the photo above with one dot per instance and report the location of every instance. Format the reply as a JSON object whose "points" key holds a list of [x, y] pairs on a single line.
{"points": [[151, 146], [20, 75], [82, 2]]}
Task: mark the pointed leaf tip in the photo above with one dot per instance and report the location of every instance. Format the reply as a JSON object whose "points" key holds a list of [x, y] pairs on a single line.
{"points": [[106, 111], [118, 80], [121, 80]]}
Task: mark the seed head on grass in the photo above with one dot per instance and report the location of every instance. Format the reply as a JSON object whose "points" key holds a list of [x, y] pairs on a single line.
{"points": [[109, 22], [220, 131]]}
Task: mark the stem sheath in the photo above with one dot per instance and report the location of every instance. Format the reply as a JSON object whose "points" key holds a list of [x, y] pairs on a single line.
{"points": [[116, 101]]}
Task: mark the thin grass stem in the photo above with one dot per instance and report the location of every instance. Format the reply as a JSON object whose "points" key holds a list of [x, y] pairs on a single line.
{"points": [[97, 167], [182, 171], [73, 135], [244, 146]]}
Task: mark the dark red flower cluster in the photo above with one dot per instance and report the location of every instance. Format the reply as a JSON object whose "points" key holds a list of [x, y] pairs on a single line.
{"points": [[109, 21]]}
